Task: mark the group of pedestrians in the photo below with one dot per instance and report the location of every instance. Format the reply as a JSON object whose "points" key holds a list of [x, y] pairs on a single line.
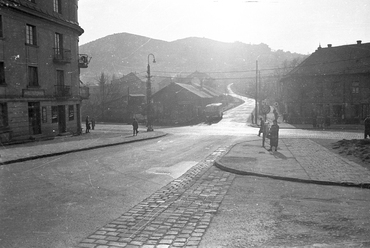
{"points": [[271, 133], [90, 124]]}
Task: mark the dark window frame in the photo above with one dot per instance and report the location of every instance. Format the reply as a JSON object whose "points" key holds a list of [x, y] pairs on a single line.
{"points": [[1, 27], [4, 114], [57, 5], [33, 76], [31, 35], [2, 73]]}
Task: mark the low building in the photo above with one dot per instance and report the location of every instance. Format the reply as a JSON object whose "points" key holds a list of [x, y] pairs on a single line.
{"points": [[332, 84], [40, 93], [183, 102]]}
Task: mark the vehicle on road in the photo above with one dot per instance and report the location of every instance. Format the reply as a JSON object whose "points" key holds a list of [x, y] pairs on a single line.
{"points": [[214, 111]]}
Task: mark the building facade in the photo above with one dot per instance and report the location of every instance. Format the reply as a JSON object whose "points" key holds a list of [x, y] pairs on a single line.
{"points": [[332, 84], [39, 68]]}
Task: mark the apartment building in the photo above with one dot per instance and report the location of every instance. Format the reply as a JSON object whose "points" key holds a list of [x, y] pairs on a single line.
{"points": [[40, 93]]}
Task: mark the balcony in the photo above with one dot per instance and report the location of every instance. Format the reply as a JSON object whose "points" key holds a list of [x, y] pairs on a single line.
{"points": [[62, 56], [84, 92], [83, 60], [62, 91]]}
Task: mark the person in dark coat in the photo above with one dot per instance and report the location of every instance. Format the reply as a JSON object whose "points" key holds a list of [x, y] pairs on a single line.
{"points": [[367, 126], [276, 115], [135, 126], [87, 122], [262, 127], [274, 136]]}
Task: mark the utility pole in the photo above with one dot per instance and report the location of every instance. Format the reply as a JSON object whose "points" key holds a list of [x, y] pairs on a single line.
{"points": [[256, 115]]}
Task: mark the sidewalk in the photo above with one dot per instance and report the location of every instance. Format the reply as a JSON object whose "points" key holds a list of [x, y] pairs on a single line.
{"points": [[298, 160], [102, 136]]}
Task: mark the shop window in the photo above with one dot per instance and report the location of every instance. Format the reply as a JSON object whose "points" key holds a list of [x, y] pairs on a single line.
{"points": [[54, 114], [71, 113], [44, 115]]}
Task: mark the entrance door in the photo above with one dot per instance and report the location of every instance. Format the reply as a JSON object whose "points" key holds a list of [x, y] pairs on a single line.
{"points": [[34, 119], [62, 118]]}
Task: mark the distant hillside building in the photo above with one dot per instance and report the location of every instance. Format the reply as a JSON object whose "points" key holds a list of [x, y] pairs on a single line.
{"points": [[184, 102], [39, 68], [332, 83]]}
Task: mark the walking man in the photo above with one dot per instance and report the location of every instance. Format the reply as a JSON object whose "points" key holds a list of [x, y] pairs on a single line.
{"points": [[262, 127], [274, 136], [135, 126], [87, 122]]}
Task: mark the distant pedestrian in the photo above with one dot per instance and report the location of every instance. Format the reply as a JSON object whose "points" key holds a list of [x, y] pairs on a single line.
{"points": [[135, 126], [262, 127], [274, 136], [367, 126], [285, 117], [87, 122], [93, 123]]}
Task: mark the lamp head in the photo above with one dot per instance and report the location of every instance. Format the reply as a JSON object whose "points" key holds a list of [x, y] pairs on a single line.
{"points": [[154, 60]]}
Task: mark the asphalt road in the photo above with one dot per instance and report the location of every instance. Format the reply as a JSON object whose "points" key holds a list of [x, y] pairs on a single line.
{"points": [[58, 201]]}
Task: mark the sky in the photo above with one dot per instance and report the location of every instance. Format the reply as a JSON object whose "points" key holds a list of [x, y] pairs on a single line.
{"points": [[290, 25]]}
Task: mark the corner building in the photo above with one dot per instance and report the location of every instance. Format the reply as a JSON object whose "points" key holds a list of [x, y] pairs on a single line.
{"points": [[40, 93]]}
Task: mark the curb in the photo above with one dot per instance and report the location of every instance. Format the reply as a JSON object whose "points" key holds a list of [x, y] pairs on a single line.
{"points": [[291, 179], [77, 150]]}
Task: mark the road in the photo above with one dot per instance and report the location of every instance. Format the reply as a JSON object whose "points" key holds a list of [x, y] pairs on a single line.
{"points": [[58, 201]]}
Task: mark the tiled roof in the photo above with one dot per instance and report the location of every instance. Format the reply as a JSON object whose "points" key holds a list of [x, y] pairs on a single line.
{"points": [[195, 90], [347, 59]]}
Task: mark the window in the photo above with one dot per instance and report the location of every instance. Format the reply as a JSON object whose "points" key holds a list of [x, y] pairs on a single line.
{"points": [[355, 87], [33, 79], [60, 77], [58, 6], [2, 74], [58, 43], [1, 26], [3, 114], [71, 112], [44, 115], [31, 35], [54, 114]]}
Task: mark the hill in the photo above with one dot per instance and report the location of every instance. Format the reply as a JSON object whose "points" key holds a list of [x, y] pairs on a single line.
{"points": [[120, 54]]}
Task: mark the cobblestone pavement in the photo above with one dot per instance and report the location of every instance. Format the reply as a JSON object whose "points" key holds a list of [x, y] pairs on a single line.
{"points": [[322, 165], [177, 215]]}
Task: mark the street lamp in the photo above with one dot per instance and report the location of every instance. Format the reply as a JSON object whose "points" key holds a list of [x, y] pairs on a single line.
{"points": [[149, 97]]}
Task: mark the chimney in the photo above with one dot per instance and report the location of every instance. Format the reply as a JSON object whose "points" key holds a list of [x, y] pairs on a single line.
{"points": [[359, 42], [329, 45]]}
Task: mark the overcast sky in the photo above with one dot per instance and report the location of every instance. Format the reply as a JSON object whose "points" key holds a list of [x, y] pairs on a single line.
{"points": [[291, 25]]}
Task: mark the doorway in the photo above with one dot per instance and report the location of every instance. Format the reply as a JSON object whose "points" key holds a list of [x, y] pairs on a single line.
{"points": [[34, 119], [62, 118]]}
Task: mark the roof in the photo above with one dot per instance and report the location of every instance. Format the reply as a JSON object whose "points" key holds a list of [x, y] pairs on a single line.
{"points": [[349, 59], [195, 90]]}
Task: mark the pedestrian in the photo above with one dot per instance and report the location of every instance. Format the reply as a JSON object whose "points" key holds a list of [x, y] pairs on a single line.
{"points": [[285, 117], [93, 123], [274, 136], [276, 115], [262, 127], [135, 126], [87, 122], [367, 126]]}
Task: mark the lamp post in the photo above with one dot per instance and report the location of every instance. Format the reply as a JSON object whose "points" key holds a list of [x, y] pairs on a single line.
{"points": [[149, 97], [256, 115]]}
